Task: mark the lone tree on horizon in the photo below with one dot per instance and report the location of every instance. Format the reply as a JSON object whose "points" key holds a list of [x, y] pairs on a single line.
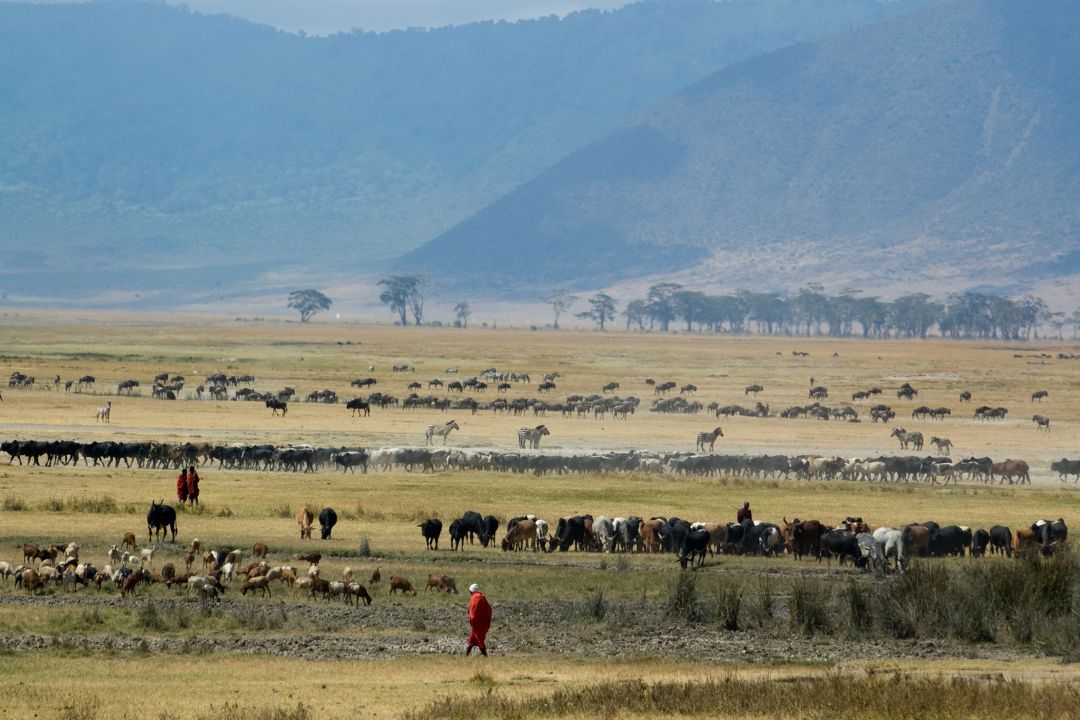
{"points": [[308, 303], [560, 301], [462, 311], [601, 311]]}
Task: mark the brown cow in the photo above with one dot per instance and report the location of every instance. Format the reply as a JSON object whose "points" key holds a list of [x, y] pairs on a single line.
{"points": [[304, 518], [805, 537], [1025, 542], [916, 540], [400, 583], [1009, 469], [716, 537], [521, 536], [650, 534], [441, 583]]}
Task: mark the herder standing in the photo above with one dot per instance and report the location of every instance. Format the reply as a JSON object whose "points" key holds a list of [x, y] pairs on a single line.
{"points": [[479, 620]]}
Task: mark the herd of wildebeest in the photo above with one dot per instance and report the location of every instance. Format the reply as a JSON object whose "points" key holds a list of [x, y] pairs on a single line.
{"points": [[689, 542], [938, 468]]}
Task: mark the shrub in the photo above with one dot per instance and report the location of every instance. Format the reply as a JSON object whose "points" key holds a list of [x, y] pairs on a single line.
{"points": [[808, 606]]}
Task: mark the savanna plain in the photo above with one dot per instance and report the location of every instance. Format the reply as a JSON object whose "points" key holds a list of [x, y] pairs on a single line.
{"points": [[575, 634]]}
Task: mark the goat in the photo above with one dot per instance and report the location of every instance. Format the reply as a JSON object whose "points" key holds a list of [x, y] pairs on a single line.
{"points": [[400, 583]]}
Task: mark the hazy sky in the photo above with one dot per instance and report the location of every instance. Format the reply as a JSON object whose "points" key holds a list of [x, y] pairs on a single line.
{"points": [[323, 17]]}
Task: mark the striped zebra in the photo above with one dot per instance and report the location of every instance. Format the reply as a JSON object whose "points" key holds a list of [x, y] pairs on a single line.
{"points": [[944, 445], [532, 436], [915, 439], [441, 431], [104, 412], [708, 437]]}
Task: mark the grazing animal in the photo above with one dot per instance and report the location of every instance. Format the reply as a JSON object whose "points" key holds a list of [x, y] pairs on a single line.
{"points": [[431, 530], [159, 519], [327, 521], [752, 390], [304, 518], [1064, 468], [261, 582], [440, 431], [965, 397], [708, 437], [358, 406], [104, 413], [311, 558], [400, 583], [1039, 395], [441, 583], [354, 592], [259, 550], [1041, 422], [376, 575], [276, 404], [129, 540], [531, 436]]}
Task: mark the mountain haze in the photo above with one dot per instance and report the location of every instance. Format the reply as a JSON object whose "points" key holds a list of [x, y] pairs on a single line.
{"points": [[138, 139], [935, 149]]}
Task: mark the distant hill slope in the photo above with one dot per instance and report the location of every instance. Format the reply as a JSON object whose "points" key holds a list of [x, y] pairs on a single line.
{"points": [[937, 147], [140, 135]]}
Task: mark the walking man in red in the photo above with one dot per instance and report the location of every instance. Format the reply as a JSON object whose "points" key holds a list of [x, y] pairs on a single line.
{"points": [[479, 620], [193, 486], [181, 487]]}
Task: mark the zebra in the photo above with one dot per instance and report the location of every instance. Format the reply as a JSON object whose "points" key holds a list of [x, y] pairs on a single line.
{"points": [[532, 436], [708, 437], [1041, 422], [944, 445], [915, 439], [440, 430], [104, 412]]}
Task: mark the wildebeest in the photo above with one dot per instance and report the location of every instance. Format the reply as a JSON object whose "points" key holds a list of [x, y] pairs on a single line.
{"points": [[159, 519], [965, 397], [752, 390], [1039, 395], [1064, 468], [431, 530], [327, 521], [274, 404], [358, 405], [1041, 422]]}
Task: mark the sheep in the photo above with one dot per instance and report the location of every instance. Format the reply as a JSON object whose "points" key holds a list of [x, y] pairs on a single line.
{"points": [[357, 592], [146, 556], [235, 557], [335, 589], [115, 554], [189, 558], [31, 581], [311, 558], [346, 574], [227, 572], [5, 570], [129, 540], [288, 575], [71, 552], [400, 583], [131, 581], [209, 559], [168, 571], [259, 583], [301, 584], [376, 576], [318, 585], [195, 545]]}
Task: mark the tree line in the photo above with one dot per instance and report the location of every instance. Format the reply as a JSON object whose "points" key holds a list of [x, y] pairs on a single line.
{"points": [[808, 312]]}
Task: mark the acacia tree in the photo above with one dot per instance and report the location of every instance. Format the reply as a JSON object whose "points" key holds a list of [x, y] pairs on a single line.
{"points": [[308, 303], [635, 314], [560, 301], [602, 309], [404, 294], [462, 312]]}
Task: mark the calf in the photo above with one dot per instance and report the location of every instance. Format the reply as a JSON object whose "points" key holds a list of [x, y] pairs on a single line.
{"points": [[400, 583], [305, 518], [441, 583]]}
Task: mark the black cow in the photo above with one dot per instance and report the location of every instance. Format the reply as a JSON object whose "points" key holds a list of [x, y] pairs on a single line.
{"points": [[1001, 540], [491, 528], [674, 535], [949, 540], [327, 521], [695, 545], [159, 519], [457, 535], [473, 525], [843, 545], [569, 531], [431, 530], [1050, 534], [980, 542]]}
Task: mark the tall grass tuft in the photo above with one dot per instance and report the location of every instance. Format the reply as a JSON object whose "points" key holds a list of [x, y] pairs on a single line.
{"points": [[11, 503], [683, 601], [364, 548], [808, 607]]}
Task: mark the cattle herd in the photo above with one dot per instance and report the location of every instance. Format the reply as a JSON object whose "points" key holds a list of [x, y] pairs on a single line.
{"points": [[864, 545]]}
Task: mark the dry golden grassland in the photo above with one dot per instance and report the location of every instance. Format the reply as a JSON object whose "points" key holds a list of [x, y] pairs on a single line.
{"points": [[95, 506]]}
